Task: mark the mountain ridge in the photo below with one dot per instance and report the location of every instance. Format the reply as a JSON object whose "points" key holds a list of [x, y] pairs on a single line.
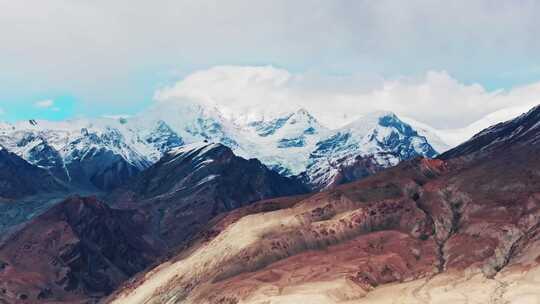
{"points": [[192, 184], [107, 150], [18, 178]]}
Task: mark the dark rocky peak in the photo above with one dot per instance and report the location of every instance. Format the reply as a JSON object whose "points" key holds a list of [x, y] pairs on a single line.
{"points": [[518, 133], [186, 167], [18, 178], [192, 184]]}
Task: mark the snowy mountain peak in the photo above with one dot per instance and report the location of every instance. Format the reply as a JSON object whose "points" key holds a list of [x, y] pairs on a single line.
{"points": [[380, 137], [290, 143], [294, 120], [284, 142], [371, 120], [163, 139]]}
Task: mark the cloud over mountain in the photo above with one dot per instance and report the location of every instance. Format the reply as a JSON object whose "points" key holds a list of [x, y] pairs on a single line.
{"points": [[112, 55], [253, 92]]}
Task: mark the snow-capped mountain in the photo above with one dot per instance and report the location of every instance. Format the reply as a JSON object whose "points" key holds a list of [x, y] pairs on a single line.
{"points": [[190, 121], [88, 153], [161, 138], [373, 142], [285, 142], [104, 152], [433, 136]]}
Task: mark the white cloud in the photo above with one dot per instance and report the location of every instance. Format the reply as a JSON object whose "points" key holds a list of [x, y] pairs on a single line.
{"points": [[436, 98], [69, 44], [44, 104], [453, 137]]}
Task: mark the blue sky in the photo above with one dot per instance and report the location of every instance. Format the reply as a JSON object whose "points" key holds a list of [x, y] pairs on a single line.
{"points": [[94, 58]]}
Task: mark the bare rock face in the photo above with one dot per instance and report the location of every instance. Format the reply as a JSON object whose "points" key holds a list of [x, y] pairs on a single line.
{"points": [[78, 250], [460, 229]]}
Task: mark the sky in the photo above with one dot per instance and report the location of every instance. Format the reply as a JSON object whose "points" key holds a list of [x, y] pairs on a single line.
{"points": [[445, 63]]}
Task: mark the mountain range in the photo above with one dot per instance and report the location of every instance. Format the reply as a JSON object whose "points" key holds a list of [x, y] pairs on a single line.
{"points": [[100, 154], [189, 206]]}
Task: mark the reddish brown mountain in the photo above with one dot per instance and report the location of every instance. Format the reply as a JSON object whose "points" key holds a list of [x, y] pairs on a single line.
{"points": [[78, 250], [461, 229]]}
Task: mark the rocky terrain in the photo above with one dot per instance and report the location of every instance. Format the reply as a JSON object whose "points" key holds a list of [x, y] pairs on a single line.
{"points": [[463, 228], [81, 249], [192, 184], [77, 251]]}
